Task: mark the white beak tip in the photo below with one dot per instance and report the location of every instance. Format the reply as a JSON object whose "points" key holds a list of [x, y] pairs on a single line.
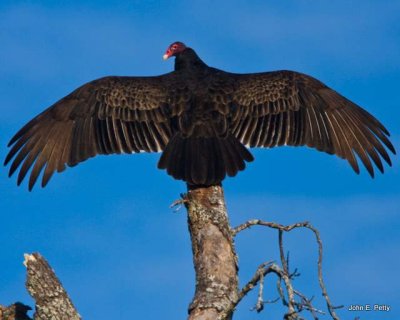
{"points": [[165, 57]]}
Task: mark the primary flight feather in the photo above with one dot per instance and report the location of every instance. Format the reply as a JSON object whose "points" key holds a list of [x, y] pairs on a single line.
{"points": [[201, 118]]}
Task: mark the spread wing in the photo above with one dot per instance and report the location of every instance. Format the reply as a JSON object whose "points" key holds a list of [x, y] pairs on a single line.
{"points": [[105, 116], [289, 108]]}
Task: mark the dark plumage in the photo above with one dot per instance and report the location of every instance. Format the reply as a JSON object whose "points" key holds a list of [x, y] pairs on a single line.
{"points": [[201, 118]]}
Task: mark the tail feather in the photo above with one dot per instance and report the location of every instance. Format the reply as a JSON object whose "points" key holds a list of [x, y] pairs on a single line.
{"points": [[244, 153], [216, 169], [239, 161], [204, 160], [229, 159], [198, 161], [179, 151]]}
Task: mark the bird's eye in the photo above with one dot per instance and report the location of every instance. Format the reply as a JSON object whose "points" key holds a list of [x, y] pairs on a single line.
{"points": [[174, 47]]}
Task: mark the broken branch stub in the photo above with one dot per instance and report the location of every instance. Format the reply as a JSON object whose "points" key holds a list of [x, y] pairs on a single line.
{"points": [[52, 301]]}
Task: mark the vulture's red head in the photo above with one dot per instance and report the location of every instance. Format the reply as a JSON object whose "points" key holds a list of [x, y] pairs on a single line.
{"points": [[174, 49]]}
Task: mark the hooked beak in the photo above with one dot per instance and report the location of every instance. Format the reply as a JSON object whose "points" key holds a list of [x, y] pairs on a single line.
{"points": [[167, 55]]}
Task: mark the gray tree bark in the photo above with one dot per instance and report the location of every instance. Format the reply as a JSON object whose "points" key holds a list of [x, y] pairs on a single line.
{"points": [[214, 256], [52, 301]]}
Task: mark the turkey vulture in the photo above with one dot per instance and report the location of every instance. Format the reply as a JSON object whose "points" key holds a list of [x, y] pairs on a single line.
{"points": [[200, 118]]}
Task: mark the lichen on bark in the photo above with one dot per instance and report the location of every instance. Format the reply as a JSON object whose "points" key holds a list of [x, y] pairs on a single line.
{"points": [[214, 256]]}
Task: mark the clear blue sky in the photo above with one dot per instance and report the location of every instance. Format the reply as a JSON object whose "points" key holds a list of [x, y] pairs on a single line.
{"points": [[105, 225]]}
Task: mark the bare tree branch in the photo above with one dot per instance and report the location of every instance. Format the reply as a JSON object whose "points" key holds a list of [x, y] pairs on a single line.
{"points": [[284, 274], [306, 303], [260, 301], [262, 270], [52, 301]]}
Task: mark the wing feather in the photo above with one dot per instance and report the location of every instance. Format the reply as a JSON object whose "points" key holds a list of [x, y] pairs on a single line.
{"points": [[289, 108], [345, 144], [368, 144], [111, 115], [40, 163]]}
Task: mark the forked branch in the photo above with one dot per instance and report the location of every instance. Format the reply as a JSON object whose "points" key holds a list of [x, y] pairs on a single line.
{"points": [[283, 273]]}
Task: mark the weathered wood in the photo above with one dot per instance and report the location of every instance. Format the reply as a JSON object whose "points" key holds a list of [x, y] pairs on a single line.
{"points": [[52, 301], [214, 256], [16, 311]]}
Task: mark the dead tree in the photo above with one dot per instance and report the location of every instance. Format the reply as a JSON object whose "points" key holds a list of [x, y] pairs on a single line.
{"points": [[216, 265]]}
